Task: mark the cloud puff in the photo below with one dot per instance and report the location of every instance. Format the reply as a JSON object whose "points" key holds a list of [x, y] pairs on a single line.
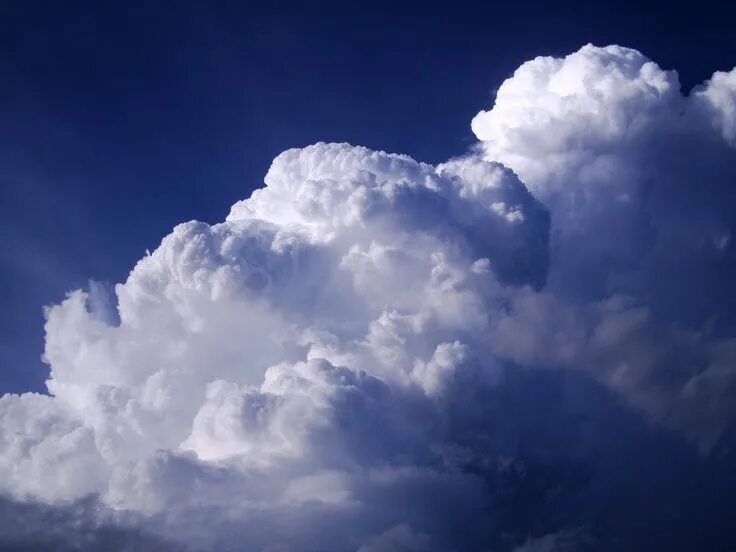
{"points": [[358, 357], [638, 180], [637, 176], [718, 98]]}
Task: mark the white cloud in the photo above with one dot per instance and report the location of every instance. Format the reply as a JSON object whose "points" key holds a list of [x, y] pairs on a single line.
{"points": [[718, 98], [637, 176], [323, 369]]}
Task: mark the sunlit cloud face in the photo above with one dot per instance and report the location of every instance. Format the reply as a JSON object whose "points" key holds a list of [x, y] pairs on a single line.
{"points": [[372, 353]]}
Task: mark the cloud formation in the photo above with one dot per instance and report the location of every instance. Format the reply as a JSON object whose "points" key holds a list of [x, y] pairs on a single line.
{"points": [[372, 353]]}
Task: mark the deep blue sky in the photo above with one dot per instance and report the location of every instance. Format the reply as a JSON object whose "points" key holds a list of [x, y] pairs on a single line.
{"points": [[119, 120]]}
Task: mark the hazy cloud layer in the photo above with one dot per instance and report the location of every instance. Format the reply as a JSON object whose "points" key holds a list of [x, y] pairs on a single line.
{"points": [[377, 354]]}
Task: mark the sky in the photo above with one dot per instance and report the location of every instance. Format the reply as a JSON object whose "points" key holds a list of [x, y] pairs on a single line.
{"points": [[163, 112], [515, 330]]}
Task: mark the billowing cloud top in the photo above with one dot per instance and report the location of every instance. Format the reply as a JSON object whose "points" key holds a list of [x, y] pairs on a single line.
{"points": [[351, 361]]}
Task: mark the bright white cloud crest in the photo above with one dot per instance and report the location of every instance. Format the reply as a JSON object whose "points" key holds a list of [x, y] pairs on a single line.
{"points": [[312, 357]]}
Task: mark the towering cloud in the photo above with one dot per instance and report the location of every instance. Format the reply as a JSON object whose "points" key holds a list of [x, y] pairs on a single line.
{"points": [[361, 356]]}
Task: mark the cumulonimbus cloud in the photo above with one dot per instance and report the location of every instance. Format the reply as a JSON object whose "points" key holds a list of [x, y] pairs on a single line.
{"points": [[337, 365]]}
